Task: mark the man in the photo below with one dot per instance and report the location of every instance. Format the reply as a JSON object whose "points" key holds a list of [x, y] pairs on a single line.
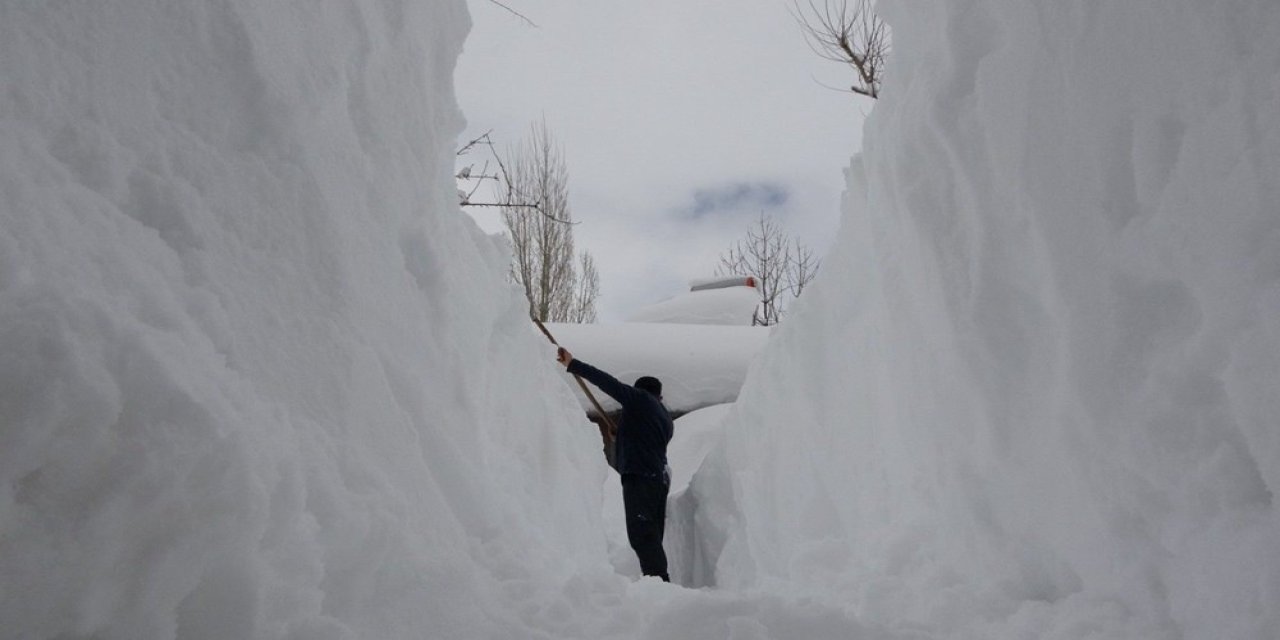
{"points": [[641, 457]]}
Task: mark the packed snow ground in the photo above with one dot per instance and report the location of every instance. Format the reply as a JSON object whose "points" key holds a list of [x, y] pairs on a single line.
{"points": [[262, 379]]}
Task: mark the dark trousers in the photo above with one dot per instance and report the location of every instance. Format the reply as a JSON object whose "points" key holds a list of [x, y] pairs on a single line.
{"points": [[645, 500]]}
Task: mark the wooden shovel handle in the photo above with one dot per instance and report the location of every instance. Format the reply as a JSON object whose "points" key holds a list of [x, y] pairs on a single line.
{"points": [[595, 403]]}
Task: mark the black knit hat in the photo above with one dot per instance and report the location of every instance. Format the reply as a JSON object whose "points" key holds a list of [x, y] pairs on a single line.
{"points": [[650, 384]]}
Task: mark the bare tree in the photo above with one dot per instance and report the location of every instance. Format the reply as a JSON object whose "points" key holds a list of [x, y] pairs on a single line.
{"points": [[780, 264], [587, 291], [848, 32], [542, 245], [801, 268]]}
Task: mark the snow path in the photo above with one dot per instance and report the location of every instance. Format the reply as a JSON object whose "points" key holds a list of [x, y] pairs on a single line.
{"points": [[260, 378]]}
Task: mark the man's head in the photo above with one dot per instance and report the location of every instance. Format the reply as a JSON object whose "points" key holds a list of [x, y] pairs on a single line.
{"points": [[650, 384]]}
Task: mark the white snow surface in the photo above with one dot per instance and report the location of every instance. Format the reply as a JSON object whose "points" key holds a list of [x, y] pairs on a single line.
{"points": [[725, 306], [262, 379], [1033, 390], [260, 376], [695, 435], [699, 365]]}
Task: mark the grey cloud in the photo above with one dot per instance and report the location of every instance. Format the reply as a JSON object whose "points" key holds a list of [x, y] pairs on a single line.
{"points": [[738, 196]]}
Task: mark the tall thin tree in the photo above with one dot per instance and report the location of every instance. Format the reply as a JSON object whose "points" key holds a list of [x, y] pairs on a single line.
{"points": [[542, 241]]}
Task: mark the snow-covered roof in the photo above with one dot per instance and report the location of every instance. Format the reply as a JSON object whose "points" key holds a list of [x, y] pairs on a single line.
{"points": [[699, 365], [720, 301]]}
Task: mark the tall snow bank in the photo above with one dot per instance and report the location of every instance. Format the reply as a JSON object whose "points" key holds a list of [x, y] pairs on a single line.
{"points": [[255, 379], [1033, 391]]}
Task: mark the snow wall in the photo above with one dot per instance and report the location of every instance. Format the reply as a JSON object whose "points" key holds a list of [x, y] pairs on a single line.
{"points": [[260, 377], [1033, 392]]}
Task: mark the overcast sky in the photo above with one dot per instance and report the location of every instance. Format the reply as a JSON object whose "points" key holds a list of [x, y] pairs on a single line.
{"points": [[680, 122]]}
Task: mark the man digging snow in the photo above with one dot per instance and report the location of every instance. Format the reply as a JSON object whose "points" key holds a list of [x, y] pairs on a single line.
{"points": [[641, 456]]}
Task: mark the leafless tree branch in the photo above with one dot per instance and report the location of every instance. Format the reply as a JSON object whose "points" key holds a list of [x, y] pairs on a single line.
{"points": [[515, 13], [802, 268], [480, 139], [502, 178], [848, 32]]}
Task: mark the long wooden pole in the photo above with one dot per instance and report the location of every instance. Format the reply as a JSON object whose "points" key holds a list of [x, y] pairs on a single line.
{"points": [[595, 403]]}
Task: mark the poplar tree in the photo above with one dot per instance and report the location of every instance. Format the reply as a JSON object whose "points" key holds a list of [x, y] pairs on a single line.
{"points": [[558, 288]]}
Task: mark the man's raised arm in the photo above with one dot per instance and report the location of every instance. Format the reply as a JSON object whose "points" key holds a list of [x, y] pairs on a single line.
{"points": [[623, 393]]}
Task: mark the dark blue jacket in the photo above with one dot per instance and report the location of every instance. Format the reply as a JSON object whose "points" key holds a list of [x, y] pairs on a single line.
{"points": [[645, 427]]}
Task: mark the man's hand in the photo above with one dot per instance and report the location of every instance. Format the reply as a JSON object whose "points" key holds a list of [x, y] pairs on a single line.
{"points": [[563, 356]]}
